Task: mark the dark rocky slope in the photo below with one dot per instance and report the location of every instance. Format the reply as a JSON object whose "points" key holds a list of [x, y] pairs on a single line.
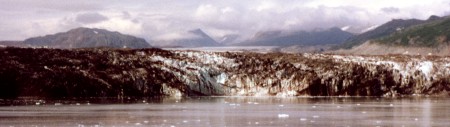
{"points": [[155, 72]]}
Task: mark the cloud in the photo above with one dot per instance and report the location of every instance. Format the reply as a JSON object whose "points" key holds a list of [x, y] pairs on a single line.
{"points": [[176, 36], [390, 10], [89, 18], [161, 19]]}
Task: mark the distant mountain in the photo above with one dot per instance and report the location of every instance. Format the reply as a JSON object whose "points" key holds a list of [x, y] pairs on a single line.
{"points": [[435, 32], [13, 44], [266, 35], [88, 37], [384, 30], [201, 39], [228, 39], [303, 38]]}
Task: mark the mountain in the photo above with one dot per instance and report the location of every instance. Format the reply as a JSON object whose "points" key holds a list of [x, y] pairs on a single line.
{"points": [[200, 39], [429, 38], [434, 33], [266, 35], [303, 38], [384, 30], [229, 39], [88, 37], [13, 44]]}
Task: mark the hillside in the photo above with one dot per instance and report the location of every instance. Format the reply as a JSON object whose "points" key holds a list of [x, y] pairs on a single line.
{"points": [[431, 34], [384, 30], [86, 38], [302, 38]]}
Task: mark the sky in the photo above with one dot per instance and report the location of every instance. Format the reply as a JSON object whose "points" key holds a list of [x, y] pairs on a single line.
{"points": [[170, 19]]}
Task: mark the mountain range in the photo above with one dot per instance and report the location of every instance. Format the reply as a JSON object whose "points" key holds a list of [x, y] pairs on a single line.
{"points": [[434, 32], [386, 29], [431, 35], [332, 36]]}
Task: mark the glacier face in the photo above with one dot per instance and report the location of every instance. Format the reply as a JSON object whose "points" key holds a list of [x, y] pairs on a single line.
{"points": [[274, 74], [155, 72]]}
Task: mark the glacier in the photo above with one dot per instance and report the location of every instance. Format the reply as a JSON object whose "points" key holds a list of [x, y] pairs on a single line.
{"points": [[155, 72]]}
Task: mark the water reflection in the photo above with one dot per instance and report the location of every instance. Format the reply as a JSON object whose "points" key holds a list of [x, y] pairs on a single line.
{"points": [[235, 111]]}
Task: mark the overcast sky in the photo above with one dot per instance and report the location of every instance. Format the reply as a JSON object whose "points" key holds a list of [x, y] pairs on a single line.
{"points": [[166, 19]]}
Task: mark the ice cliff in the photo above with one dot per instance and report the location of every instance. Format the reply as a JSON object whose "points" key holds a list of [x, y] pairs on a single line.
{"points": [[155, 72]]}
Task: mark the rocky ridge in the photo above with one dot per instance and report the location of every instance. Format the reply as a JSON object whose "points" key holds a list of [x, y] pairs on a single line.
{"points": [[155, 72]]}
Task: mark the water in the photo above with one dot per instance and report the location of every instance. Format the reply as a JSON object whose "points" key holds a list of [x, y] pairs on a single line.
{"points": [[235, 111]]}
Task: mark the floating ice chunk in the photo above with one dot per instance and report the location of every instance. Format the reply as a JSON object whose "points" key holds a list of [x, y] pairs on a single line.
{"points": [[283, 116], [303, 119], [316, 116]]}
